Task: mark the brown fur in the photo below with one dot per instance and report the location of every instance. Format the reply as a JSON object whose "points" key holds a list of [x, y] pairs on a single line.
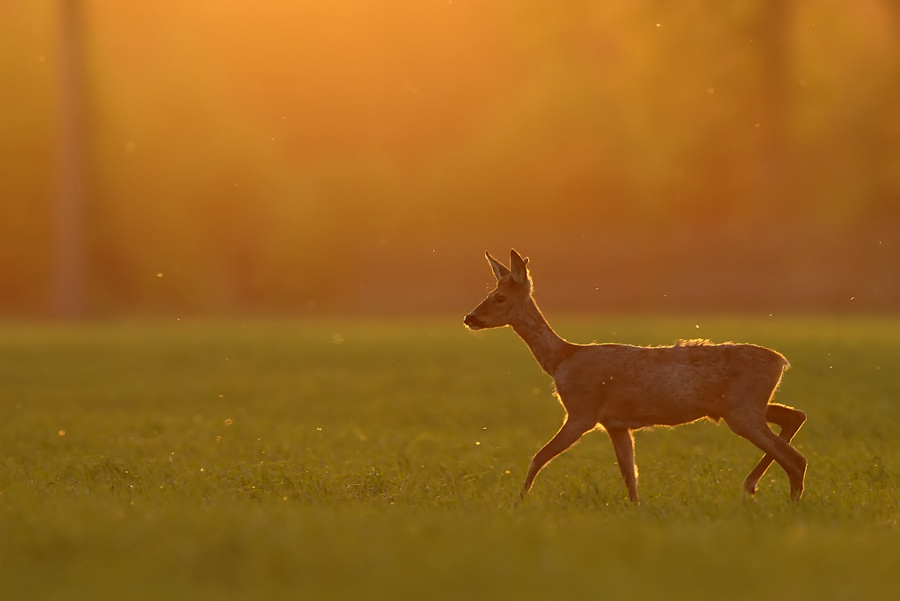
{"points": [[622, 388]]}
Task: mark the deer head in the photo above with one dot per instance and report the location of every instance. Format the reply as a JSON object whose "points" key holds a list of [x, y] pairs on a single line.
{"points": [[501, 305]]}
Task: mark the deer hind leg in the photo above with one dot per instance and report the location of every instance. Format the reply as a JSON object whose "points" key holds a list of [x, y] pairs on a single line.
{"points": [[568, 435], [790, 420], [623, 443], [759, 433]]}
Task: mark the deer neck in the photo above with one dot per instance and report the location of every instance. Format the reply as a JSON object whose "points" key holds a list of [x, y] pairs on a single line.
{"points": [[546, 345]]}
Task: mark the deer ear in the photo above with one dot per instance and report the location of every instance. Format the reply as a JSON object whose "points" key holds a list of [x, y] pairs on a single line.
{"points": [[518, 265], [500, 271]]}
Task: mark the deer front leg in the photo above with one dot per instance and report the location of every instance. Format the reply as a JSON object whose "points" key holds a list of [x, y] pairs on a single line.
{"points": [[623, 443], [568, 435]]}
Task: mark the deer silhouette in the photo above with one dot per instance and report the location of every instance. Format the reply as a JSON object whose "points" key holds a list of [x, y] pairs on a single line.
{"points": [[621, 388]]}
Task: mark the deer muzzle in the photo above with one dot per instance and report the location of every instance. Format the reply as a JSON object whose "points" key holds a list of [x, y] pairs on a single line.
{"points": [[472, 322]]}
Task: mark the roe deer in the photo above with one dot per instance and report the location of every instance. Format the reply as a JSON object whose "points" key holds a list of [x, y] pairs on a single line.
{"points": [[623, 388]]}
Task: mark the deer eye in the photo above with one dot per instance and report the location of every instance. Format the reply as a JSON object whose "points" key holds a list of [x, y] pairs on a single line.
{"points": [[499, 299]]}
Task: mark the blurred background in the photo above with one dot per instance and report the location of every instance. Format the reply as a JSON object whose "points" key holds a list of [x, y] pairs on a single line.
{"points": [[358, 156]]}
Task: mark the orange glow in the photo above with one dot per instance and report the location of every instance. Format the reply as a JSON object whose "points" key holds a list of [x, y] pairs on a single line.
{"points": [[362, 154]]}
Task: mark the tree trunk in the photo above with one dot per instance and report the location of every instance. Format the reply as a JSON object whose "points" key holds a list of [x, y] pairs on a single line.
{"points": [[774, 168], [68, 286]]}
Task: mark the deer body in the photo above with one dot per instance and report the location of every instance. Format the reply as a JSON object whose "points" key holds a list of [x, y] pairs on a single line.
{"points": [[636, 387], [622, 388]]}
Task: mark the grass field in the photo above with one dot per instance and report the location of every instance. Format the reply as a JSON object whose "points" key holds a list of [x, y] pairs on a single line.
{"points": [[363, 459]]}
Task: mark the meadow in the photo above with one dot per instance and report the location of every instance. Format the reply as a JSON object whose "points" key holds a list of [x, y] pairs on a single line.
{"points": [[340, 459]]}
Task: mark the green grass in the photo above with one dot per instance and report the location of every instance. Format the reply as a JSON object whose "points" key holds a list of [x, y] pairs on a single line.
{"points": [[360, 459]]}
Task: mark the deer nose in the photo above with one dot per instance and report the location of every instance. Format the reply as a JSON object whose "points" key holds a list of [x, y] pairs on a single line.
{"points": [[472, 322]]}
